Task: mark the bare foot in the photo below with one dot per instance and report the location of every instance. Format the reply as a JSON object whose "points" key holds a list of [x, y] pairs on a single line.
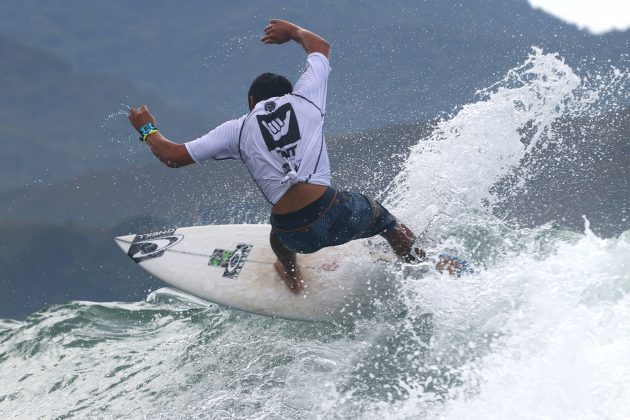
{"points": [[453, 265], [293, 280], [447, 264]]}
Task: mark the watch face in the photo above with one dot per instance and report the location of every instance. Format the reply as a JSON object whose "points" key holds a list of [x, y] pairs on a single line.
{"points": [[145, 129]]}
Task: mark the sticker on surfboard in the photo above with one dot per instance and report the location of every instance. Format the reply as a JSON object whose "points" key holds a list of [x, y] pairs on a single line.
{"points": [[232, 261], [152, 245]]}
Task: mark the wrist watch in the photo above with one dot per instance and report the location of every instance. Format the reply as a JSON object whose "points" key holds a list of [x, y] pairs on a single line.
{"points": [[146, 130]]}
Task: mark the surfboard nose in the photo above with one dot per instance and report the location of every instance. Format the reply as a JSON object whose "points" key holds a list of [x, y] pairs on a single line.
{"points": [[124, 242]]}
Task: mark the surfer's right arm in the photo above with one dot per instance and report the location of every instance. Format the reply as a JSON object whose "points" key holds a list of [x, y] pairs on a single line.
{"points": [[313, 83], [219, 144], [280, 31], [171, 154]]}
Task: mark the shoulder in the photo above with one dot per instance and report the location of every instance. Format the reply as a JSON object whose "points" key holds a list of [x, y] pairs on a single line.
{"points": [[317, 57], [319, 63]]}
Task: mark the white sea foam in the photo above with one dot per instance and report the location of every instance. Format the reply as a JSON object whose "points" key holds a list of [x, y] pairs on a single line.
{"points": [[542, 329], [532, 337], [454, 169]]}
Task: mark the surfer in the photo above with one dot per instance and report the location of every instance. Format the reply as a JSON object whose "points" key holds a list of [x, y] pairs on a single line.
{"points": [[282, 144]]}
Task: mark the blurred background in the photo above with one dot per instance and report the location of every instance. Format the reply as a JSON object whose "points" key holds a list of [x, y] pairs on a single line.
{"points": [[75, 175]]}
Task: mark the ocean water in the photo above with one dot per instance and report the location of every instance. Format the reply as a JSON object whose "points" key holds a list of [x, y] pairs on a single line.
{"points": [[540, 330]]}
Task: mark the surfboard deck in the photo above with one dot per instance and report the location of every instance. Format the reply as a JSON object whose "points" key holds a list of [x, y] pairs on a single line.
{"points": [[233, 265]]}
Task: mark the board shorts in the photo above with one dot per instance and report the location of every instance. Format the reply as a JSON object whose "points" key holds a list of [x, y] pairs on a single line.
{"points": [[333, 219]]}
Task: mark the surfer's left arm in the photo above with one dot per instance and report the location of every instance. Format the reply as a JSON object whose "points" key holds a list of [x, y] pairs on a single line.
{"points": [[172, 154]]}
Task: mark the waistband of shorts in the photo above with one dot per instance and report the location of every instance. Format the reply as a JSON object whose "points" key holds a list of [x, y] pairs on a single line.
{"points": [[305, 216]]}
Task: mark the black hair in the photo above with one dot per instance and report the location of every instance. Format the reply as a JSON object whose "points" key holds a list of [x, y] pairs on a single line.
{"points": [[269, 85]]}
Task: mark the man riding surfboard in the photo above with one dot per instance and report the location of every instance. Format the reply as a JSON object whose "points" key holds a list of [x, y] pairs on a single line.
{"points": [[282, 144]]}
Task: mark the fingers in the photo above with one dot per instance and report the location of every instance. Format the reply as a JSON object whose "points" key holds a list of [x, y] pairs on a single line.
{"points": [[140, 116], [134, 111], [268, 39]]}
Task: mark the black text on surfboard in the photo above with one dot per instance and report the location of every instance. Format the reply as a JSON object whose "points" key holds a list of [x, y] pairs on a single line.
{"points": [[152, 245]]}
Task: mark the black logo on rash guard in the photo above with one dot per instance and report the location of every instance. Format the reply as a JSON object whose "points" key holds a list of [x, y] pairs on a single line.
{"points": [[280, 128], [270, 106]]}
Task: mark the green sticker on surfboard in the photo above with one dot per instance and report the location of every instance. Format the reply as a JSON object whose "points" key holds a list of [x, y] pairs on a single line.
{"points": [[232, 261]]}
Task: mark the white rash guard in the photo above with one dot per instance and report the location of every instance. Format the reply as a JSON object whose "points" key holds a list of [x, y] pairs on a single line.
{"points": [[281, 140]]}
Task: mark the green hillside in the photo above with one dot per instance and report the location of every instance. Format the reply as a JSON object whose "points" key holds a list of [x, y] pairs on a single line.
{"points": [[55, 124], [392, 62]]}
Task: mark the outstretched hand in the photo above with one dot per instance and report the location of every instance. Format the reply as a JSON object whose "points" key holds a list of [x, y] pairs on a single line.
{"points": [[141, 116], [279, 31]]}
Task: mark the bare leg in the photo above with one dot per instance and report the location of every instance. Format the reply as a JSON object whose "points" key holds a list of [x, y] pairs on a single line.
{"points": [[401, 239], [286, 266]]}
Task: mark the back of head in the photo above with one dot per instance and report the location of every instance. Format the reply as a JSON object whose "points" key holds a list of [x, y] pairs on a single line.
{"points": [[269, 85]]}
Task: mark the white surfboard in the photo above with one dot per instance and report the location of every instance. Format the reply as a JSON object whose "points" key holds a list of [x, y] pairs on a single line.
{"points": [[233, 265]]}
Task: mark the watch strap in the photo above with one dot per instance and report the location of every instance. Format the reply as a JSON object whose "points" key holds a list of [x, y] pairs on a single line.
{"points": [[146, 130]]}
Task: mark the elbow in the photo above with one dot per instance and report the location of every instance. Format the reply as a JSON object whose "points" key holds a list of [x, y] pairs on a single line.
{"points": [[169, 161], [325, 48], [176, 157], [172, 163], [318, 45]]}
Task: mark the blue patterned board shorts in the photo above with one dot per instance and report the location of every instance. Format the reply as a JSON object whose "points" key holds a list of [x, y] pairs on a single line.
{"points": [[335, 218]]}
